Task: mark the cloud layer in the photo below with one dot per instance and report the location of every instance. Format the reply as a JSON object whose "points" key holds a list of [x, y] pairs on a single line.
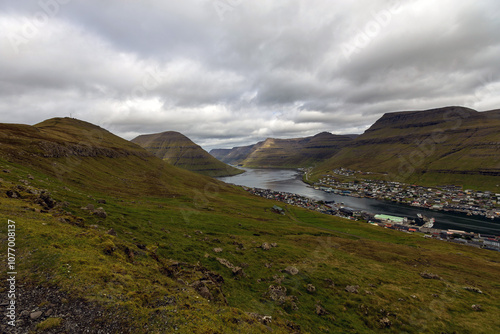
{"points": [[232, 72]]}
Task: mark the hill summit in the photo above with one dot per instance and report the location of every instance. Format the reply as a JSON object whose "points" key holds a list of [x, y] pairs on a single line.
{"points": [[450, 145], [78, 152], [178, 150]]}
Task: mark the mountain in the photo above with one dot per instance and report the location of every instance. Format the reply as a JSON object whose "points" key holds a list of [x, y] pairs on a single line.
{"points": [[180, 151], [89, 156], [233, 156], [451, 145], [105, 237], [285, 153]]}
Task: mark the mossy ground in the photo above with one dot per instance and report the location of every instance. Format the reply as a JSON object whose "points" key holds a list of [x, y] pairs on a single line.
{"points": [[49, 323], [164, 243]]}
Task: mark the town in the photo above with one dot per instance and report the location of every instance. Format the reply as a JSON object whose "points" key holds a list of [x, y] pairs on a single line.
{"points": [[420, 224], [443, 198]]}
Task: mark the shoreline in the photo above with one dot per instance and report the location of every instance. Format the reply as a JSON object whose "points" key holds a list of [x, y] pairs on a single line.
{"points": [[450, 199], [473, 239]]}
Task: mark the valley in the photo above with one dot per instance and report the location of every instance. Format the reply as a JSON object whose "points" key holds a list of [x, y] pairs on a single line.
{"points": [[138, 245], [442, 146], [241, 167], [285, 153]]}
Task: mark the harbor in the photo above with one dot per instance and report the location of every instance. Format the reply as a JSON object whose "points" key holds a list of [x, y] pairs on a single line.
{"points": [[420, 224], [286, 186]]}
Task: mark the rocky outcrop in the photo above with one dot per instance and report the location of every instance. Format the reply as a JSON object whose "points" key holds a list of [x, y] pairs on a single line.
{"points": [[236, 270], [427, 275], [385, 322], [61, 150], [264, 319], [473, 289], [352, 288], [291, 270], [310, 288], [278, 294], [100, 213], [320, 310], [477, 307]]}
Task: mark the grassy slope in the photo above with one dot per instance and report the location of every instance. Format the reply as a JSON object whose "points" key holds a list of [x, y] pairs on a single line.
{"points": [[155, 289], [180, 151], [442, 146]]}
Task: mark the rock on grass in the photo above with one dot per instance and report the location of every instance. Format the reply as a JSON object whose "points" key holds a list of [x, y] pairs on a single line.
{"points": [[352, 288], [292, 270], [427, 275]]}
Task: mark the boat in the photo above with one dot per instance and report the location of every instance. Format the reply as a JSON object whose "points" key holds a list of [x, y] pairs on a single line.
{"points": [[430, 223], [424, 221]]}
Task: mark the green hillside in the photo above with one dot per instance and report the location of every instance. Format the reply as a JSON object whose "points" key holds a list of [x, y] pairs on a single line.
{"points": [[285, 153], [180, 151], [452, 145], [88, 156], [111, 239]]}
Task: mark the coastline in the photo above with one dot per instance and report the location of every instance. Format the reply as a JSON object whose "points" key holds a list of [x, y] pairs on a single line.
{"points": [[473, 239]]}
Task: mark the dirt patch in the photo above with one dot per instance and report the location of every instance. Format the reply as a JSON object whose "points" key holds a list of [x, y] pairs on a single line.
{"points": [[36, 304]]}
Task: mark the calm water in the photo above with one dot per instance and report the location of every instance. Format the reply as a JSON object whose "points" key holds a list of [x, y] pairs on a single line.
{"points": [[291, 181]]}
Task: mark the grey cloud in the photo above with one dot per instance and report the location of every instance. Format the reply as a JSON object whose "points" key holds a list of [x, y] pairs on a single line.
{"points": [[276, 69]]}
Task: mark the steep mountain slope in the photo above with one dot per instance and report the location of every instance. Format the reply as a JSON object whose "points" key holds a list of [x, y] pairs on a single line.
{"points": [[180, 151], [111, 239], [90, 156], [233, 156], [288, 153], [439, 146], [219, 153]]}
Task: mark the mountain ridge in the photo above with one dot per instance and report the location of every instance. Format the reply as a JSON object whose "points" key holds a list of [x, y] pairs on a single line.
{"points": [[67, 148], [180, 151], [284, 153], [427, 146]]}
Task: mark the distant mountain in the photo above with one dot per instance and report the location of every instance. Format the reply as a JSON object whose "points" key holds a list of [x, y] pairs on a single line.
{"points": [[285, 153], [438, 146], [233, 156], [180, 151]]}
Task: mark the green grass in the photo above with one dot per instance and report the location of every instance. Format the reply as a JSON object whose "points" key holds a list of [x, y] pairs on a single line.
{"points": [[154, 286], [88, 262], [49, 323]]}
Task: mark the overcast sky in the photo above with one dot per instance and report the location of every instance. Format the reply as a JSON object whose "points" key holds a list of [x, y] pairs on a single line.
{"points": [[232, 72]]}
